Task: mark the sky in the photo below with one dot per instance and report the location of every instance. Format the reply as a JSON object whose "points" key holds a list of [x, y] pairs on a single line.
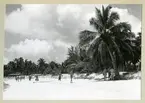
{"points": [[34, 31]]}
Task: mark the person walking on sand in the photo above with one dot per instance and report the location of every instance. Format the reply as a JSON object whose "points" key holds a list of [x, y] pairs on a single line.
{"points": [[105, 74], [37, 79], [30, 77], [71, 76], [60, 72], [59, 76], [16, 78], [112, 74]]}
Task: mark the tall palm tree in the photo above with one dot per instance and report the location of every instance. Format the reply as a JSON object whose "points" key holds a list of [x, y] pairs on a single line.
{"points": [[103, 44]]}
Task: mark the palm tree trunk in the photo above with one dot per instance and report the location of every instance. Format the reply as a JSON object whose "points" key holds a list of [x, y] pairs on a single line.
{"points": [[114, 63]]}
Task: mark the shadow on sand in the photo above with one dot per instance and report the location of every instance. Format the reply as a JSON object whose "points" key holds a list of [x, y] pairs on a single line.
{"points": [[5, 86], [42, 81]]}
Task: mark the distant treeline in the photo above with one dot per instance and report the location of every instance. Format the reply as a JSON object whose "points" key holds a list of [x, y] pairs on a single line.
{"points": [[27, 67]]}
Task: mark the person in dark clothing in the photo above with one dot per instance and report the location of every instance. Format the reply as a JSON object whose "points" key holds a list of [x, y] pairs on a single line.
{"points": [[17, 78], [71, 76], [105, 74], [59, 77], [37, 79], [112, 74], [30, 77]]}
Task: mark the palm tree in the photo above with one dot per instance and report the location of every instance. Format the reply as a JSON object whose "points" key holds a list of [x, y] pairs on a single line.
{"points": [[41, 65], [20, 64], [26, 71], [54, 67], [77, 60], [30, 67], [12, 66], [73, 55], [9, 68], [16, 63], [131, 51], [103, 44], [48, 69]]}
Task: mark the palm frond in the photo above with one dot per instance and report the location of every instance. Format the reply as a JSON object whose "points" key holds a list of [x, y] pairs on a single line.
{"points": [[127, 47], [93, 46], [112, 19], [122, 30], [97, 24], [122, 26], [117, 48], [99, 15], [106, 13]]}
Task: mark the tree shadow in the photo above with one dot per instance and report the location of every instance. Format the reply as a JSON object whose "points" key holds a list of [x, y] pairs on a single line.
{"points": [[42, 81], [5, 86]]}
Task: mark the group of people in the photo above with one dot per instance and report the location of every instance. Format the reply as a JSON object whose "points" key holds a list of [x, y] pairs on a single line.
{"points": [[36, 78], [109, 73], [71, 76], [19, 78]]}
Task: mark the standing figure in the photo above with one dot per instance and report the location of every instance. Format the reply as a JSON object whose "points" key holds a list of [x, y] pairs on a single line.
{"points": [[20, 78], [30, 77], [109, 73], [105, 73], [71, 76], [37, 79], [59, 77], [112, 74], [16, 78]]}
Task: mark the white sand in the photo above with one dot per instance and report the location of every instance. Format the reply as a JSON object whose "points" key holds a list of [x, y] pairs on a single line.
{"points": [[81, 89]]}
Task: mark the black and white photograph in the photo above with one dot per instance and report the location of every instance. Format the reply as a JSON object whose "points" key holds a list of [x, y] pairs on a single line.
{"points": [[72, 52]]}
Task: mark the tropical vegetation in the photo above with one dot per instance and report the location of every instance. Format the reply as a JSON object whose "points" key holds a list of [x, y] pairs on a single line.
{"points": [[112, 44]]}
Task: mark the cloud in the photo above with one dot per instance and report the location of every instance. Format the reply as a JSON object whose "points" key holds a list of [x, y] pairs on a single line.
{"points": [[5, 60], [57, 21], [30, 49], [48, 30], [125, 16], [49, 21], [35, 49], [29, 21]]}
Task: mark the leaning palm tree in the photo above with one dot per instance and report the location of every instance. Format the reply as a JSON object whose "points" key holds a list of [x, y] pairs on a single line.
{"points": [[104, 44]]}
